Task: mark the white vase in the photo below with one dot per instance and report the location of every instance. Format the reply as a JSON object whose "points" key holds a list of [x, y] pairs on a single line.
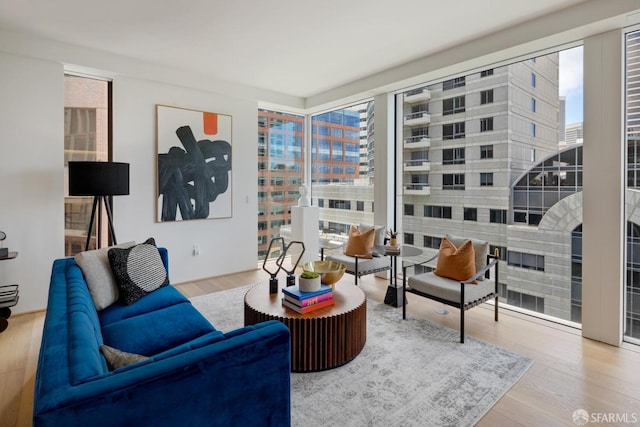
{"points": [[309, 285]]}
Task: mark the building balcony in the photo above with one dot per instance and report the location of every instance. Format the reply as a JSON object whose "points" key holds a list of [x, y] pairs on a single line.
{"points": [[417, 189], [417, 141], [415, 119], [417, 95], [417, 165]]}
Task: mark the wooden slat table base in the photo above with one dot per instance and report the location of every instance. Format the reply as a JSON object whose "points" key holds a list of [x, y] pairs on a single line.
{"points": [[323, 339]]}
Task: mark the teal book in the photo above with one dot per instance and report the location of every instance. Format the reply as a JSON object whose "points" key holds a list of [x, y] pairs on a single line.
{"points": [[294, 292]]}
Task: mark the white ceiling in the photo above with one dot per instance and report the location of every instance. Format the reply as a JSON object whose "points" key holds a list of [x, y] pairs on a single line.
{"points": [[295, 47]]}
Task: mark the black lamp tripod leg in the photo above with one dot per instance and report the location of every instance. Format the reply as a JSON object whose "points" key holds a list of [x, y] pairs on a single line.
{"points": [[109, 216], [93, 215]]}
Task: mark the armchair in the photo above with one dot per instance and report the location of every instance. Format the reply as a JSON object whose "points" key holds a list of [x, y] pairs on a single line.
{"points": [[462, 294], [359, 255], [361, 265]]}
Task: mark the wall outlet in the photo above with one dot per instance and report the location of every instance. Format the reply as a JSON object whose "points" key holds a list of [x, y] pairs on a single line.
{"points": [[196, 249]]}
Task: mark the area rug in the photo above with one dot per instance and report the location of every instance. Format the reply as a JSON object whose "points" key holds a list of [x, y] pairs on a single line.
{"points": [[410, 373]]}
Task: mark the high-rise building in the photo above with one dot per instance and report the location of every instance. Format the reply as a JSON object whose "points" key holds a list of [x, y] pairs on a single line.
{"points": [[335, 159], [573, 133], [280, 172], [466, 143]]}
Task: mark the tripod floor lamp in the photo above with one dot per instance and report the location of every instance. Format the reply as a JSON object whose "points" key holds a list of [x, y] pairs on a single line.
{"points": [[100, 180]]}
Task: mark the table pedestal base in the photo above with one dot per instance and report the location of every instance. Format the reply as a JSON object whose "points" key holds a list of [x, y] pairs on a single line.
{"points": [[393, 297]]}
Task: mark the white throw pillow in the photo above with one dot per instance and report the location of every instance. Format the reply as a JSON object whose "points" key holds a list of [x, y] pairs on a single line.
{"points": [[380, 233], [98, 275]]}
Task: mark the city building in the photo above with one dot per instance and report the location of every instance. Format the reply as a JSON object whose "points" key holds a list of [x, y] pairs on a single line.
{"points": [[573, 133], [336, 158], [466, 141]]}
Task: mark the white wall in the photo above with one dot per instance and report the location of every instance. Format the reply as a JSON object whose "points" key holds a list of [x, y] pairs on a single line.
{"points": [[32, 179], [226, 245], [31, 173]]}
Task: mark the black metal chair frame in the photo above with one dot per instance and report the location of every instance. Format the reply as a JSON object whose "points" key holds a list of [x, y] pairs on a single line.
{"points": [[492, 261]]}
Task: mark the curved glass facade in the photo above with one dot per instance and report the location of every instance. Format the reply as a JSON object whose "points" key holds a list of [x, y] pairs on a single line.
{"points": [[545, 184]]}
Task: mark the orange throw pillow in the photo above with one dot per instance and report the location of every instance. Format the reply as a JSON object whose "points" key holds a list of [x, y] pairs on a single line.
{"points": [[456, 263], [360, 243]]}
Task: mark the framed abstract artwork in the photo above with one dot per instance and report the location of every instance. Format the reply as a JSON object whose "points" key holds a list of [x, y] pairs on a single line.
{"points": [[193, 164]]}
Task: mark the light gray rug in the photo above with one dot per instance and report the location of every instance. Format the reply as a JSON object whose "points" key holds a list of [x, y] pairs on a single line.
{"points": [[410, 373]]}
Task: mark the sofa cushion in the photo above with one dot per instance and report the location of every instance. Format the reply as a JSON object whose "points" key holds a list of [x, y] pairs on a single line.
{"points": [[456, 263], [157, 300], [364, 265], [138, 270], [448, 289], [360, 243], [156, 331], [97, 272], [480, 247], [119, 359]]}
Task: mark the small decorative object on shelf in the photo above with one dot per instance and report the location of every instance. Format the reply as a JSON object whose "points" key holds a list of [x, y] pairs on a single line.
{"points": [[8, 298], [309, 281], [393, 237], [4, 252], [8, 294], [304, 302]]}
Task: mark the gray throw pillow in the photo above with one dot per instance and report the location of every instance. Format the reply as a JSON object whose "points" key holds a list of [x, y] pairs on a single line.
{"points": [[138, 270], [480, 247], [98, 275], [118, 359]]}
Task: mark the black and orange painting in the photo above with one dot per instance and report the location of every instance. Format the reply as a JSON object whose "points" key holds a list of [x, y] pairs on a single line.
{"points": [[194, 164]]}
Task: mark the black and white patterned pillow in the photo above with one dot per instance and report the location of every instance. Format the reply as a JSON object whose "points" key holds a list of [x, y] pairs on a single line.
{"points": [[138, 270]]}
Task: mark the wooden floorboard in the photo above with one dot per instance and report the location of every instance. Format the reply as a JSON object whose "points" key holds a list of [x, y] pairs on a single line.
{"points": [[569, 372]]}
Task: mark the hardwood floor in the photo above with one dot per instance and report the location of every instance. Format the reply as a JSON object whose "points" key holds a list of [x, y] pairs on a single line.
{"points": [[569, 372]]}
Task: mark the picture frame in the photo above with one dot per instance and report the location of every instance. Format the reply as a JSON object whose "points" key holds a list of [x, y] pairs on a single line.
{"points": [[194, 164]]}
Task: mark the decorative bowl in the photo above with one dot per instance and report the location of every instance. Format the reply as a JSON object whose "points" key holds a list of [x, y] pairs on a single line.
{"points": [[330, 271]]}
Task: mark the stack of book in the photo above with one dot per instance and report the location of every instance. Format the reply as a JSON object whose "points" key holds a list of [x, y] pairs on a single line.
{"points": [[305, 302], [391, 250]]}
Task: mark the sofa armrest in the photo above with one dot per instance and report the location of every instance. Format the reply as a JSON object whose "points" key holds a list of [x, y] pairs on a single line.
{"points": [[241, 380]]}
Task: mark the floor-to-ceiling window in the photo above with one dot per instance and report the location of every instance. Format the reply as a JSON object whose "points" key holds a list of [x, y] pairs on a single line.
{"points": [[86, 138], [280, 172], [632, 193], [342, 167], [496, 155]]}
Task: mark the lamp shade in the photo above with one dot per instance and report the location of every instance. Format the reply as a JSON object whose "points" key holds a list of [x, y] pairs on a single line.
{"points": [[98, 179]]}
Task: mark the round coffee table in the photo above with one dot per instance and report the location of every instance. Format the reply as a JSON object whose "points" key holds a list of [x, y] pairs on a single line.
{"points": [[323, 339]]}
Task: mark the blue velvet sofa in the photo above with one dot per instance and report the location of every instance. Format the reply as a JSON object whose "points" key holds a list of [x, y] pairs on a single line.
{"points": [[195, 375]]}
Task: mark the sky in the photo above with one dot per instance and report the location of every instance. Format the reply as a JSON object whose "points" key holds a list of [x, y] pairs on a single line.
{"points": [[570, 85]]}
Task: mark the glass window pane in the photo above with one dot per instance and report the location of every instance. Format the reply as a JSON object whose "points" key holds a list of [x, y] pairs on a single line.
{"points": [[282, 180], [518, 164], [343, 170], [86, 138]]}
